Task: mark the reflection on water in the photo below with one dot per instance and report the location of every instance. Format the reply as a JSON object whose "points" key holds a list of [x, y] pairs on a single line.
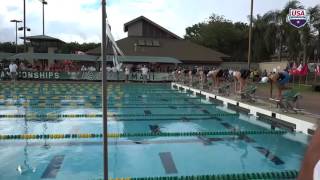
{"points": [[26, 168]]}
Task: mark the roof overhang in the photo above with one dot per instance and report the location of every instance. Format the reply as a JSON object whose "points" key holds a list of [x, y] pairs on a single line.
{"points": [[53, 56], [145, 59]]}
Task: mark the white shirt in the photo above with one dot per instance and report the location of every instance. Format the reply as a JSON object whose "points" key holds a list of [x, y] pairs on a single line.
{"points": [[83, 68], [144, 70], [13, 68], [127, 72]]}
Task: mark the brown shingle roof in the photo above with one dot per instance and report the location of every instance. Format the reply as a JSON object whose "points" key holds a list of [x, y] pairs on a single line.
{"points": [[142, 18], [42, 37], [182, 50]]}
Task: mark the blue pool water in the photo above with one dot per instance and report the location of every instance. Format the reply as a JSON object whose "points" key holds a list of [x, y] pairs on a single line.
{"points": [[138, 108]]}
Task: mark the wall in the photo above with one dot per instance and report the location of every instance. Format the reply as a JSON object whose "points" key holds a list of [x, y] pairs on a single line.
{"points": [[237, 65], [269, 66], [135, 29]]}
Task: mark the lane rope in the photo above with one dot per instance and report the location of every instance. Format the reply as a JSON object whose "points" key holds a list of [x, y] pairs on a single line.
{"points": [[147, 134], [290, 174]]}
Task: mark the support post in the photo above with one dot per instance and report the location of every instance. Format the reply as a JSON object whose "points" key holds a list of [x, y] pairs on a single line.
{"points": [[104, 91], [250, 36]]}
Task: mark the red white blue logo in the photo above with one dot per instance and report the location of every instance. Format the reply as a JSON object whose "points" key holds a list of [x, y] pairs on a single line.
{"points": [[298, 17]]}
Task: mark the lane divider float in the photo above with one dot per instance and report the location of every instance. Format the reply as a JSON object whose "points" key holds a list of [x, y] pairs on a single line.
{"points": [[147, 134]]}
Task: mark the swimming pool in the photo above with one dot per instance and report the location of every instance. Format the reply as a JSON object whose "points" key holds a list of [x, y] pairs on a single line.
{"points": [[178, 134]]}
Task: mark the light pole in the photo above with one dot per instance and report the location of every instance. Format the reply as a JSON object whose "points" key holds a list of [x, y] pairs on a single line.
{"points": [[24, 26], [24, 38], [250, 35], [44, 2], [104, 90], [16, 22]]}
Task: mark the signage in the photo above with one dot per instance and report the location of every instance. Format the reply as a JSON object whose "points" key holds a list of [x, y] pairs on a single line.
{"points": [[88, 76], [298, 17]]}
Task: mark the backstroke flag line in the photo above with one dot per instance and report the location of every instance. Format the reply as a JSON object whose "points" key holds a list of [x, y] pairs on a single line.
{"points": [[115, 48]]}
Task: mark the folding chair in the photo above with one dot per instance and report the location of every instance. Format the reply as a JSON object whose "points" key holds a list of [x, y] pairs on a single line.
{"points": [[249, 93], [224, 90], [289, 102]]}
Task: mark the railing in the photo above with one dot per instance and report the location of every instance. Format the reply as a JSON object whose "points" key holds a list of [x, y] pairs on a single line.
{"points": [[87, 76]]}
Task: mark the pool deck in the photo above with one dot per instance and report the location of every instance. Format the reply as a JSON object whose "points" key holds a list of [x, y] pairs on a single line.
{"points": [[301, 122]]}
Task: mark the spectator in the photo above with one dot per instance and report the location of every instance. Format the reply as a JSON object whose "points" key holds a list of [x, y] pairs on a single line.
{"points": [[83, 68], [115, 73], [109, 69], [144, 70], [13, 71], [22, 67], [264, 74], [127, 73]]}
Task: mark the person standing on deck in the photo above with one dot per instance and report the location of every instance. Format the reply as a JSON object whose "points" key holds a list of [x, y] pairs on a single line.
{"points": [[13, 71], [127, 73], [144, 70]]}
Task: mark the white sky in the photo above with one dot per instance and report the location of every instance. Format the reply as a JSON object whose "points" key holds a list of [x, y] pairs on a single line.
{"points": [[79, 20]]}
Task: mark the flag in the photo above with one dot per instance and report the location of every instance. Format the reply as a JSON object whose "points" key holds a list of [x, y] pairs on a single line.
{"points": [[294, 71], [317, 70], [304, 70], [300, 68], [294, 66]]}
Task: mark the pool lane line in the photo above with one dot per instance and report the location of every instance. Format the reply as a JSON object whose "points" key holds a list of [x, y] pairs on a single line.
{"points": [[114, 143], [116, 106], [289, 174], [182, 119], [269, 155], [168, 163], [55, 116], [55, 106], [264, 151], [8, 101], [122, 135], [53, 167]]}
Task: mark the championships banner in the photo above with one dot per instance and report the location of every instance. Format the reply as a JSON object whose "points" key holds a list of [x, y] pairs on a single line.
{"points": [[89, 76]]}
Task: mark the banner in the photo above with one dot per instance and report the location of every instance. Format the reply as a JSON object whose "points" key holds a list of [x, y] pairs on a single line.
{"points": [[88, 75]]}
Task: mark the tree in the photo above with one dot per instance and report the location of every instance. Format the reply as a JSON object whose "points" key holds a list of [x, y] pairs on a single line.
{"points": [[314, 13], [10, 47], [220, 34]]}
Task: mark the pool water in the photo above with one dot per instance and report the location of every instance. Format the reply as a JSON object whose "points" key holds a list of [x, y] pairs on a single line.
{"points": [[133, 108]]}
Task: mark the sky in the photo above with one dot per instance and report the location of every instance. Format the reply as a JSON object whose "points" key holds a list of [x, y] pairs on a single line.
{"points": [[80, 20]]}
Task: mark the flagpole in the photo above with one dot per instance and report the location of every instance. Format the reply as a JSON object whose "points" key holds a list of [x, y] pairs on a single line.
{"points": [[299, 81], [104, 45]]}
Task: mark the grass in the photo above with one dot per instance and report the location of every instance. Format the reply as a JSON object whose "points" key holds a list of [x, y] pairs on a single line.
{"points": [[295, 87]]}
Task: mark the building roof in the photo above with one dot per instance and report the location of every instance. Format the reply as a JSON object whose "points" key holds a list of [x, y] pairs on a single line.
{"points": [[145, 59], [74, 57], [42, 37], [142, 18], [182, 50]]}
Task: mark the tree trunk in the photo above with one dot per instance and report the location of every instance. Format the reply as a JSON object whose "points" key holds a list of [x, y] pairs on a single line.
{"points": [[304, 52], [280, 48]]}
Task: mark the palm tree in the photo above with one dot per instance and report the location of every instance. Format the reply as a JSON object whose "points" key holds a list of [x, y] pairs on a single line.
{"points": [[314, 13], [275, 28], [292, 36]]}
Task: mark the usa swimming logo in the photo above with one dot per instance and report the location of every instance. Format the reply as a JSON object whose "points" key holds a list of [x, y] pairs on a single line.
{"points": [[298, 17]]}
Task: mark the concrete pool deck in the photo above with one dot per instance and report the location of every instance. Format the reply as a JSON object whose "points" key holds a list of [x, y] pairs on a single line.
{"points": [[301, 122]]}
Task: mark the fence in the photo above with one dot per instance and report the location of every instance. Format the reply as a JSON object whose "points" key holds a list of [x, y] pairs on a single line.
{"points": [[89, 76]]}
